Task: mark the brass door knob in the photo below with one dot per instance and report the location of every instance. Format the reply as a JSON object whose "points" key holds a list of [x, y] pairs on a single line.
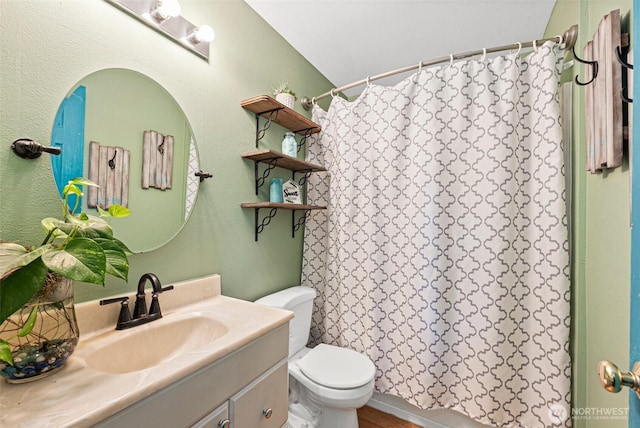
{"points": [[267, 413], [224, 423], [612, 379]]}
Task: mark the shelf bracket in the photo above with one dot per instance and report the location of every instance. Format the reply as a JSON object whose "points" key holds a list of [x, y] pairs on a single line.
{"points": [[265, 174], [296, 225], [260, 132], [265, 221], [303, 180], [306, 134]]}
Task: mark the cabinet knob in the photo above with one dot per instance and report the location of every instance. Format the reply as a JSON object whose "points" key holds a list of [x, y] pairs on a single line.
{"points": [[267, 413], [224, 423]]}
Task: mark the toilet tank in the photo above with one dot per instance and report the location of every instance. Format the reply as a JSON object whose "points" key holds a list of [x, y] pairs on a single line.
{"points": [[299, 300]]}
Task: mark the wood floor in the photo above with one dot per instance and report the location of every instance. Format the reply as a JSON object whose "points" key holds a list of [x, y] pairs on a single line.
{"points": [[368, 417]]}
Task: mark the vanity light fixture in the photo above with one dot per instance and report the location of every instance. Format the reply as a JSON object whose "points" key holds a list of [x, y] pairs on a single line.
{"points": [[165, 9], [164, 17], [204, 33]]}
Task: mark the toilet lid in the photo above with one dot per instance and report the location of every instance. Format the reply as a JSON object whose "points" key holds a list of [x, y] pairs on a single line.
{"points": [[337, 368]]}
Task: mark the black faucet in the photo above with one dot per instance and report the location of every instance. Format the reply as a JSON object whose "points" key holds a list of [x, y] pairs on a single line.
{"points": [[140, 314]]}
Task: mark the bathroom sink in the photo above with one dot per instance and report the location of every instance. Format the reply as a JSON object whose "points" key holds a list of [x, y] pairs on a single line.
{"points": [[148, 345]]}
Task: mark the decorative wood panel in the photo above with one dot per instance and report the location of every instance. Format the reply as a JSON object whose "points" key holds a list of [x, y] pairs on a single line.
{"points": [[157, 160], [589, 111], [603, 97], [109, 169]]}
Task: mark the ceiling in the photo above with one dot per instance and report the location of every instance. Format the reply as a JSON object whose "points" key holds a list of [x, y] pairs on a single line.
{"points": [[348, 40]]}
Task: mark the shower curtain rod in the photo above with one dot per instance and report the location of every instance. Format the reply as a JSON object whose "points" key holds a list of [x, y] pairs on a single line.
{"points": [[569, 37]]}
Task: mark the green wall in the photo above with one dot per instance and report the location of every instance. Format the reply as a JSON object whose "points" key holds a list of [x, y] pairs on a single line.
{"points": [[601, 240], [48, 46]]}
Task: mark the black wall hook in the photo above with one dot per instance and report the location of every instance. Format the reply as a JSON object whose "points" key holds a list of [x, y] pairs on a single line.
{"points": [[593, 64], [622, 61], [112, 161], [29, 149]]}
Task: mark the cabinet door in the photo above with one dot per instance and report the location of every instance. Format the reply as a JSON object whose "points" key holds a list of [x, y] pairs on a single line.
{"points": [[264, 403], [219, 418]]}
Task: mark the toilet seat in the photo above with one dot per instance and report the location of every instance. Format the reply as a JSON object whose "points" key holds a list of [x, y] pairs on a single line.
{"points": [[337, 368]]}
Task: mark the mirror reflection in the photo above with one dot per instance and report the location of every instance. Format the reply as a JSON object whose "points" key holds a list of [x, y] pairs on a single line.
{"points": [[124, 131]]}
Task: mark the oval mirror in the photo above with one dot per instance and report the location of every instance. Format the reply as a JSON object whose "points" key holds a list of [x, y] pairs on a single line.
{"points": [[124, 131]]}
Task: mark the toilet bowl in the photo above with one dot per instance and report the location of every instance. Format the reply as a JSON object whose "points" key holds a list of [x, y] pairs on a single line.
{"points": [[327, 384]]}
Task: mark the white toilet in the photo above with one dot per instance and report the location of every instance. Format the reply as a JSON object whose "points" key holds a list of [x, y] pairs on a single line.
{"points": [[327, 383]]}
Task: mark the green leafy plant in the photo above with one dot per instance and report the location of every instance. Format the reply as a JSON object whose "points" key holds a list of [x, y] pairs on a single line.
{"points": [[282, 88], [78, 246]]}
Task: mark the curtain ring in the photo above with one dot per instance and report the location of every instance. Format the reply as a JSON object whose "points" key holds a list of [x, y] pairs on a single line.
{"points": [[368, 81], [484, 54], [519, 48], [560, 39], [535, 45], [450, 60], [313, 101], [333, 93], [415, 76]]}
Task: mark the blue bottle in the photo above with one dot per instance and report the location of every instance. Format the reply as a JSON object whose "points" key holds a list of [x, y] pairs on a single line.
{"points": [[275, 190], [290, 145]]}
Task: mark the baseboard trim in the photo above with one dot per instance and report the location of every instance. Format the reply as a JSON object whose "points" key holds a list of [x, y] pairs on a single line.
{"points": [[378, 402]]}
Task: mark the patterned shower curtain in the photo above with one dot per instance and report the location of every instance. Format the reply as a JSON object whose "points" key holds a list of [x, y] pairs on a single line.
{"points": [[443, 254]]}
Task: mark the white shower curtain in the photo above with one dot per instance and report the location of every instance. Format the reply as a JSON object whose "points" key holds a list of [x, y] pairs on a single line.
{"points": [[443, 254]]}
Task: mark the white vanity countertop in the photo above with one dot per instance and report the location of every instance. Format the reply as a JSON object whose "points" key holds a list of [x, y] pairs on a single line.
{"points": [[80, 396]]}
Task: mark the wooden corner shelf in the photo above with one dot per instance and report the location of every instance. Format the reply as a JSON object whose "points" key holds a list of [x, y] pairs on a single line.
{"points": [[283, 161], [264, 105]]}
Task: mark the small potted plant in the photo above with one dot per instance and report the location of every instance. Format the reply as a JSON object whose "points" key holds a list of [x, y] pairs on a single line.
{"points": [[284, 94], [38, 329]]}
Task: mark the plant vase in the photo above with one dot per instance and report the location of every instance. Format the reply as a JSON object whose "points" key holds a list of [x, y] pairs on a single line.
{"points": [[51, 341], [287, 99]]}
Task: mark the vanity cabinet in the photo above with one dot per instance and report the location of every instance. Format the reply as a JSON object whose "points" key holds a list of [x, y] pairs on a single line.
{"points": [[243, 387], [219, 418], [256, 405], [266, 107]]}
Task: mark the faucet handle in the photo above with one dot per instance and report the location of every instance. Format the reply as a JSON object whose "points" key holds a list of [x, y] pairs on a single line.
{"points": [[154, 309], [124, 316], [114, 300]]}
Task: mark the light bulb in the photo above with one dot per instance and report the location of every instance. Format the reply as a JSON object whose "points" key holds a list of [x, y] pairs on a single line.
{"points": [[166, 9], [201, 34]]}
